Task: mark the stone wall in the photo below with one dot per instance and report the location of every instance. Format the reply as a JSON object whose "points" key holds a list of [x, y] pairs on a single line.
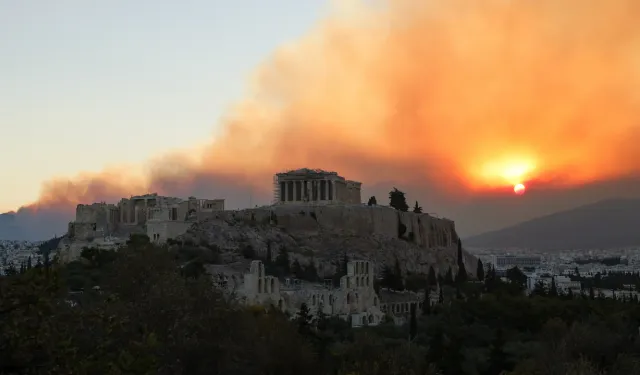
{"points": [[83, 231], [359, 220], [421, 240], [161, 231]]}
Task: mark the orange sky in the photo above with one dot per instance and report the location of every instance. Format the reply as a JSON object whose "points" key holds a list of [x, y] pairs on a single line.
{"points": [[469, 95]]}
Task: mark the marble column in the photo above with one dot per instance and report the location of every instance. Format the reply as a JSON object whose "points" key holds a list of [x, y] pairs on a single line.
{"points": [[305, 187], [283, 191], [335, 192]]}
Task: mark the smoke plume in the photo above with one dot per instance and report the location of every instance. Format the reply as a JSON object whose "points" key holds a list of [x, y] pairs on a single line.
{"points": [[467, 97]]}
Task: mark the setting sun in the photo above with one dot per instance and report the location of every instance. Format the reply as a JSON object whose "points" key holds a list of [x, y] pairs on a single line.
{"points": [[519, 189], [507, 172]]}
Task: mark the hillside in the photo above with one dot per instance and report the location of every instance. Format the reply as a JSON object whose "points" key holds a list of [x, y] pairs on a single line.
{"points": [[323, 234], [605, 224]]}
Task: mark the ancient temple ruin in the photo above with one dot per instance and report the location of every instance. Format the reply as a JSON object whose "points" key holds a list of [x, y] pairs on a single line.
{"points": [[355, 300], [315, 186], [158, 216]]}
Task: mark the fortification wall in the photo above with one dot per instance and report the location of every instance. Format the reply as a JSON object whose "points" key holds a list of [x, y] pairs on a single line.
{"points": [[83, 231], [161, 231], [358, 220]]}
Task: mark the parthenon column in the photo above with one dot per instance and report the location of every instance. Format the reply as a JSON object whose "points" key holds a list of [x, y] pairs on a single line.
{"points": [[335, 191], [283, 191]]}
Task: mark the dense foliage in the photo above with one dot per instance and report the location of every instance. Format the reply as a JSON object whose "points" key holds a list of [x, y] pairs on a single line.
{"points": [[142, 312]]}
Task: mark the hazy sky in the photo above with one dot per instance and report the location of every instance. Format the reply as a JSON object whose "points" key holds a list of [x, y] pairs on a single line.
{"points": [[453, 101], [85, 84]]}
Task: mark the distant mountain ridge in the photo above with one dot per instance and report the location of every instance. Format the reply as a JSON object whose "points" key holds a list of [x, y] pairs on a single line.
{"points": [[33, 225], [604, 224]]}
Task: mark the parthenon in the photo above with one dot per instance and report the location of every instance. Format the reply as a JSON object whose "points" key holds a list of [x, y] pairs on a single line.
{"points": [[315, 186]]}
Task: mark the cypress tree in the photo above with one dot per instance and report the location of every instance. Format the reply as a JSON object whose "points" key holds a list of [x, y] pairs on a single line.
{"points": [[426, 304], [397, 276], [462, 276], [432, 279], [480, 270], [413, 324], [553, 290], [268, 259], [345, 261], [448, 277], [417, 209]]}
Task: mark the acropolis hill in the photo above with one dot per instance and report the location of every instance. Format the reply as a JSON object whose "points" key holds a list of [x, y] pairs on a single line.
{"points": [[317, 215]]}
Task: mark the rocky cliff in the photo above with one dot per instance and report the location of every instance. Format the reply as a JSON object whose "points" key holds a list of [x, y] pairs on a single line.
{"points": [[323, 233]]}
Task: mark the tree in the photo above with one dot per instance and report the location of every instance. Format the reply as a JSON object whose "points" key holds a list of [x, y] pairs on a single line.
{"points": [[592, 294], [296, 269], [397, 200], [448, 277], [413, 323], [321, 318], [497, 356], [392, 278], [461, 276], [417, 209], [372, 201], [304, 319], [440, 297], [517, 277], [269, 256], [248, 252], [309, 272], [480, 270], [553, 290], [432, 279], [10, 270], [436, 346], [426, 304], [282, 261], [345, 261], [539, 289], [399, 284]]}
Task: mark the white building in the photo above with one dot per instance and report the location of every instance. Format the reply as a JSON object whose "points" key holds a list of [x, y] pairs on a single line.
{"points": [[520, 261], [563, 283]]}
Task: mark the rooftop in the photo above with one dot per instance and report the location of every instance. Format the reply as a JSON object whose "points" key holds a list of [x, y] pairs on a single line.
{"points": [[305, 171]]}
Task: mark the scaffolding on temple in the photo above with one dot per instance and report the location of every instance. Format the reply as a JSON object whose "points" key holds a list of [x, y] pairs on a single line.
{"points": [[276, 190]]}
